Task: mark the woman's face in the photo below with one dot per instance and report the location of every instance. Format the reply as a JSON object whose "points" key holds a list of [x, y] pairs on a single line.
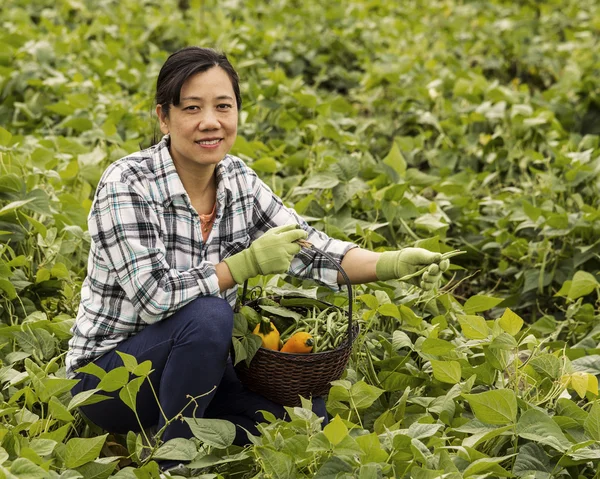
{"points": [[203, 126]]}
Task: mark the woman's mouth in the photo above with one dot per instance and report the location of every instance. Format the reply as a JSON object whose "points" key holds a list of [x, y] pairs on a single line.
{"points": [[212, 143]]}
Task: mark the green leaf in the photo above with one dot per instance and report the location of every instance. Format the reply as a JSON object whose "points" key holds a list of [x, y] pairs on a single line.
{"points": [[487, 464], [364, 395], [5, 137], [372, 448], [42, 447], [396, 161], [277, 465], [128, 394], [59, 411], [494, 407], [401, 340], [56, 387], [538, 426], [389, 310], [98, 470], [213, 432], [93, 369], [22, 467], [446, 371], [532, 459], [179, 449], [437, 347], [265, 165], [322, 181], [592, 422], [115, 379], [583, 283], [129, 361], [86, 397], [547, 365], [479, 303], [474, 327], [82, 450], [510, 322], [336, 430]]}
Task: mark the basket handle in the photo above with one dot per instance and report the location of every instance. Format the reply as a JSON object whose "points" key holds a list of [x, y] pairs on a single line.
{"points": [[308, 245]]}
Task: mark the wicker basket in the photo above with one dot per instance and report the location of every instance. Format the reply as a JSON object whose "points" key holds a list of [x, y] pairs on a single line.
{"points": [[284, 377]]}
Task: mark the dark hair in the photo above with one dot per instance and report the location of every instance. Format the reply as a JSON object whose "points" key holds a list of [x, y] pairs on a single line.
{"points": [[185, 63]]}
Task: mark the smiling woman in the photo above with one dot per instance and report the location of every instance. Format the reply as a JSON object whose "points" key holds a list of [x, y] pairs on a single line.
{"points": [[174, 229]]}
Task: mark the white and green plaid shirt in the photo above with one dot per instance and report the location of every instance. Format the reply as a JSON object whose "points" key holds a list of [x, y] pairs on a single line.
{"points": [[147, 257]]}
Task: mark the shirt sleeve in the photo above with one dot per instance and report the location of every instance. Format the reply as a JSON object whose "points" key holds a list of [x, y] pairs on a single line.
{"points": [[269, 211], [126, 229]]}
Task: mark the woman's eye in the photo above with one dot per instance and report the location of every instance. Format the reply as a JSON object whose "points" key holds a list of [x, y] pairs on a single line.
{"points": [[191, 108], [224, 106]]}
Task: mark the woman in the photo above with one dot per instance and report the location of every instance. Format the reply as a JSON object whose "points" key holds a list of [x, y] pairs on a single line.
{"points": [[174, 229]]}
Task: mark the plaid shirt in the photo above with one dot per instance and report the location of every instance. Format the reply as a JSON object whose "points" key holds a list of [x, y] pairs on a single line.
{"points": [[147, 257]]}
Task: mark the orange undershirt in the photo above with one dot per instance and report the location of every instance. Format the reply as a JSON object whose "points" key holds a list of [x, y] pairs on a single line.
{"points": [[206, 222]]}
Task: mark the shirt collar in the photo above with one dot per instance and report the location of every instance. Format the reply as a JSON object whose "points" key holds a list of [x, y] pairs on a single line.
{"points": [[168, 180]]}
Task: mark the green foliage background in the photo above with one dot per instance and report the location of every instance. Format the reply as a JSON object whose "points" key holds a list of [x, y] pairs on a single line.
{"points": [[452, 125]]}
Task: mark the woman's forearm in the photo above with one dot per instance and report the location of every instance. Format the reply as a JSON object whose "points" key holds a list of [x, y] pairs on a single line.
{"points": [[359, 265]]}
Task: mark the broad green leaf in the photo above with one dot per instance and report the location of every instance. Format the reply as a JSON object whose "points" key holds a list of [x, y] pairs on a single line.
{"points": [[84, 398], [538, 426], [213, 432], [592, 422], [547, 365], [532, 459], [214, 460], [59, 410], [5, 137], [42, 447], [487, 464], [580, 382], [129, 361], [372, 448], [98, 470], [179, 449], [422, 431], [408, 316], [336, 430], [322, 181], [583, 283], [364, 395], [56, 387], [474, 327], [510, 322], [82, 450], [277, 465], [437, 347], [401, 340], [22, 467], [93, 369], [494, 407], [128, 393], [389, 310], [396, 161], [480, 303], [446, 371], [115, 379]]}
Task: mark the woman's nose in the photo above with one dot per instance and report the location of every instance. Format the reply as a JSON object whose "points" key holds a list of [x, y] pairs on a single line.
{"points": [[208, 120]]}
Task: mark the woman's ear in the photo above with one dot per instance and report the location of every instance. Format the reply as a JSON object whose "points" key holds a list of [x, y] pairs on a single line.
{"points": [[162, 119]]}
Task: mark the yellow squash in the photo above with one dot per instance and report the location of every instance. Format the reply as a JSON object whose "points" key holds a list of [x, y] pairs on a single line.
{"points": [[268, 333], [300, 342]]}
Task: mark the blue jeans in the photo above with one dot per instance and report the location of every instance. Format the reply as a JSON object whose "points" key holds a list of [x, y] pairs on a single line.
{"points": [[190, 357]]}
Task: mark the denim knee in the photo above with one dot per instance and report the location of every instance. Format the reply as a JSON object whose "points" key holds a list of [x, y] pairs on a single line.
{"points": [[215, 317]]}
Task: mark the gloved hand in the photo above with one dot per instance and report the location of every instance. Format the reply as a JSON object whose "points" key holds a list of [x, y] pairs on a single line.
{"points": [[406, 262], [271, 253]]}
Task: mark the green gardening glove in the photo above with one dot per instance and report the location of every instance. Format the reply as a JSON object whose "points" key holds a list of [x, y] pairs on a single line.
{"points": [[271, 253], [406, 263]]}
